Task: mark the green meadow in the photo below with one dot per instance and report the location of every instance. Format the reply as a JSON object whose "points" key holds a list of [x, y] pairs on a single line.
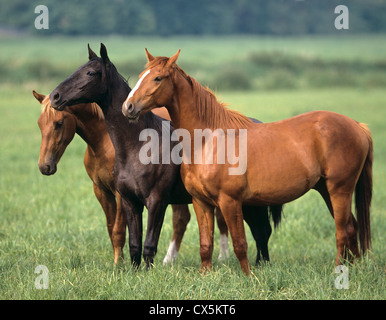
{"points": [[57, 222]]}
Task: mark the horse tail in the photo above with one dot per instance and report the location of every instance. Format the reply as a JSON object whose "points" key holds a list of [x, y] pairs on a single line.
{"points": [[363, 195], [276, 213]]}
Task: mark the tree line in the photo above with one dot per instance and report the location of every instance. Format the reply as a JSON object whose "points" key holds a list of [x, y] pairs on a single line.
{"points": [[194, 17]]}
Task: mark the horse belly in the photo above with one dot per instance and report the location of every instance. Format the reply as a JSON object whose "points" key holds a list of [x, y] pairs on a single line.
{"points": [[280, 177], [271, 195]]}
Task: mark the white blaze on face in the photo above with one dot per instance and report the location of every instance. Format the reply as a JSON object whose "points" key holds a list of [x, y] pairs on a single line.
{"points": [[138, 84]]}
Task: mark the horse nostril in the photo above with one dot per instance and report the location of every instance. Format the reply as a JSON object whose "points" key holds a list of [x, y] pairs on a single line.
{"points": [[130, 108], [56, 96], [47, 169], [44, 168]]}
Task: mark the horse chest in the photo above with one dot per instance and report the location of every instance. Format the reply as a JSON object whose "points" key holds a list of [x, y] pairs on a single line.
{"points": [[200, 180], [100, 172]]}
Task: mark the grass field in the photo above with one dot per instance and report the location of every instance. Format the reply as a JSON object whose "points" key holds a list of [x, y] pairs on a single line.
{"points": [[56, 221]]}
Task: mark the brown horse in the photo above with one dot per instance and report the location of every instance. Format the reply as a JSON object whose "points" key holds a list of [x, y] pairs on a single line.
{"points": [[318, 150], [58, 129]]}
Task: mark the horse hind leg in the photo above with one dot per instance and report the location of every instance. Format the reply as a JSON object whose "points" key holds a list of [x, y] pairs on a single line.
{"points": [[347, 223], [322, 189], [258, 221], [222, 226], [346, 226], [181, 218]]}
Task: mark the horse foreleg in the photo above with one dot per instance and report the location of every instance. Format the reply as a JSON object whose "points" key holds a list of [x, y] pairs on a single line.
{"points": [[181, 217], [119, 231], [233, 214], [133, 214], [205, 220], [109, 205], [156, 214]]}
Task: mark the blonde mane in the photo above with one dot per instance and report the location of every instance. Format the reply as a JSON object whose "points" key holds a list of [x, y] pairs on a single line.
{"points": [[213, 113], [51, 112]]}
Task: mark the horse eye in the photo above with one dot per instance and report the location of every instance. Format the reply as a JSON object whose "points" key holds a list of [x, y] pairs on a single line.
{"points": [[58, 124], [157, 79], [90, 73]]}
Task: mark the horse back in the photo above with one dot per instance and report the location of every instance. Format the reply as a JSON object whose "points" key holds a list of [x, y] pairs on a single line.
{"points": [[288, 157]]}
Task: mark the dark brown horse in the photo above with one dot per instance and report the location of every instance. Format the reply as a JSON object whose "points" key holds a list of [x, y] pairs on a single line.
{"points": [[58, 129], [141, 184], [281, 161]]}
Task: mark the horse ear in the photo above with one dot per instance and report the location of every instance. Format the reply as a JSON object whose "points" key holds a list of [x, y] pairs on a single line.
{"points": [[91, 54], [39, 97], [172, 60], [103, 53], [149, 56]]}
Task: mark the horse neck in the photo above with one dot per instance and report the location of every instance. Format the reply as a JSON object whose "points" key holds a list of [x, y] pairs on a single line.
{"points": [[195, 107], [183, 110], [91, 127], [124, 135]]}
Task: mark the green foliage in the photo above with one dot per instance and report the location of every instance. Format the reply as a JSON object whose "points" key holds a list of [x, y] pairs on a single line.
{"points": [[199, 17], [261, 65], [281, 70], [231, 78]]}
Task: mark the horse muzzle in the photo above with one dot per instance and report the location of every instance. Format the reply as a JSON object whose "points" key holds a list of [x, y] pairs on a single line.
{"points": [[48, 168], [128, 110], [56, 101]]}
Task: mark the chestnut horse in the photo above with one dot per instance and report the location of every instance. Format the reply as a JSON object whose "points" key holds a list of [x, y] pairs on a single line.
{"points": [[58, 129], [318, 150]]}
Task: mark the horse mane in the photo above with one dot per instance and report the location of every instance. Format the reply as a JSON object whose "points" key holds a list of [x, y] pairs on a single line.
{"points": [[51, 112], [213, 113]]}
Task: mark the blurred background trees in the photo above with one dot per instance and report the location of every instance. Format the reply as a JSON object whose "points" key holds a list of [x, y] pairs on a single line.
{"points": [[194, 17]]}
